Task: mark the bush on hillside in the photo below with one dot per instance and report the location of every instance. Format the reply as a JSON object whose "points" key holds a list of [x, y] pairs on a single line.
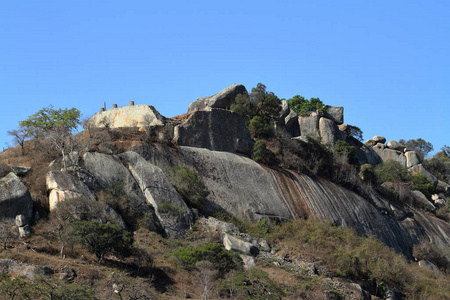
{"points": [[188, 185], [391, 171]]}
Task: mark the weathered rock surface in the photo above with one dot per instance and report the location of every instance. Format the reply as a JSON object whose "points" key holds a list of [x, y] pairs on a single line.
{"points": [[412, 159], [127, 116], [158, 191], [309, 125], [216, 225], [285, 110], [422, 201], [63, 186], [389, 154], [248, 190], [335, 113], [20, 170], [11, 266], [15, 199], [328, 131], [223, 99], [217, 129]]}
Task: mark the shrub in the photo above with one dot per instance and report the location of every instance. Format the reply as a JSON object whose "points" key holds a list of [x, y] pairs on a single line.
{"points": [[367, 173], [343, 148], [101, 239], [423, 184], [167, 208], [188, 185], [260, 152], [222, 260], [391, 170], [260, 127]]}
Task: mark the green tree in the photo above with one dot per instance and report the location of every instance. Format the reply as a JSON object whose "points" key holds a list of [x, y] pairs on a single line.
{"points": [[101, 239], [419, 145], [260, 127], [304, 107], [55, 124], [267, 103], [244, 107], [188, 185], [260, 152], [344, 149]]}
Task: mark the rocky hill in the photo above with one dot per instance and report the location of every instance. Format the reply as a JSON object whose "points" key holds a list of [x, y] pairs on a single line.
{"points": [[136, 148]]}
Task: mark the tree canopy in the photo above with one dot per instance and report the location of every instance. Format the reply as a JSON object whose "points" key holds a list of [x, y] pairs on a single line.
{"points": [[419, 145], [49, 119], [303, 106], [101, 239]]}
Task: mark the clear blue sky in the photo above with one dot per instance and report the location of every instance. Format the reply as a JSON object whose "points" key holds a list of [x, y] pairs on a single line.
{"points": [[386, 62]]}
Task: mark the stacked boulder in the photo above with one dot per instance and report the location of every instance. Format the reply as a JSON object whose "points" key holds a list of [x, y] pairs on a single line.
{"points": [[378, 151], [329, 127]]}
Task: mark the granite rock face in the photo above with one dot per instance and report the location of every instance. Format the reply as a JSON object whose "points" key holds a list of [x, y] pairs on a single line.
{"points": [[159, 192], [248, 190], [127, 116], [328, 131], [63, 186], [309, 125], [15, 199], [223, 99], [217, 129]]}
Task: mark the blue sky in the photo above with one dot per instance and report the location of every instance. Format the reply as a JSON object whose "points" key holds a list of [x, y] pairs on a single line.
{"points": [[386, 62]]}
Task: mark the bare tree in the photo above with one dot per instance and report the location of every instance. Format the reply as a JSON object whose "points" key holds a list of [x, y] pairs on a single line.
{"points": [[206, 274], [8, 231]]}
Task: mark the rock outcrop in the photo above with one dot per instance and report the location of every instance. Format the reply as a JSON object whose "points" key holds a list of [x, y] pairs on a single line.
{"points": [[223, 99], [63, 186], [216, 129], [127, 116], [247, 190], [160, 193], [15, 199]]}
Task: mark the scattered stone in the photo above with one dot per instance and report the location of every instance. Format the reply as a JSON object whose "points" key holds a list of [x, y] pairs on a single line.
{"points": [[67, 273], [20, 170], [219, 226], [11, 266], [249, 261], [234, 244]]}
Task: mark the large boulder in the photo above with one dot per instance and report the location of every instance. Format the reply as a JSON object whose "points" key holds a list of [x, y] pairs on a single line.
{"points": [[284, 109], [309, 125], [386, 154], [335, 113], [379, 139], [160, 194], [223, 99], [63, 186], [217, 129], [127, 116], [328, 131], [395, 145], [232, 243], [15, 199]]}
